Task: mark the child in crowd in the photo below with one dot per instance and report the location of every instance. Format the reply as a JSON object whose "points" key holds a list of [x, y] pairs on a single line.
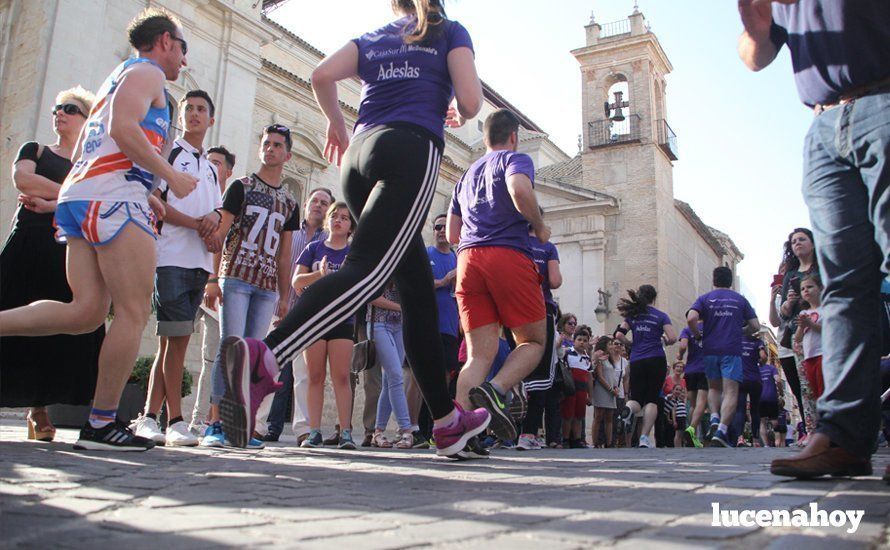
{"points": [[675, 411], [574, 407], [808, 337]]}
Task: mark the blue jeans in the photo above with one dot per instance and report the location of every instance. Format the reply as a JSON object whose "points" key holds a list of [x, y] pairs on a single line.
{"points": [[846, 178], [391, 354], [246, 311], [281, 403]]}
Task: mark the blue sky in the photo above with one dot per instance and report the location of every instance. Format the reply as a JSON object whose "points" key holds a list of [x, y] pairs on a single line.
{"points": [[740, 133]]}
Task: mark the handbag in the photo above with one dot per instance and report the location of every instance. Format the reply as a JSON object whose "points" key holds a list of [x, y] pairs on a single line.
{"points": [[364, 352], [568, 383]]}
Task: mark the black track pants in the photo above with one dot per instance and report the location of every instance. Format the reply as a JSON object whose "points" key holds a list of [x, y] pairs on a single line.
{"points": [[389, 178]]}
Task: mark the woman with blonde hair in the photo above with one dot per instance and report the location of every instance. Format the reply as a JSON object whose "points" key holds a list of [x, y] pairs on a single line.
{"points": [[36, 372]]}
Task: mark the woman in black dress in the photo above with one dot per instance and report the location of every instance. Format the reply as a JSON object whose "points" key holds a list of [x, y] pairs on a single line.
{"points": [[35, 372]]}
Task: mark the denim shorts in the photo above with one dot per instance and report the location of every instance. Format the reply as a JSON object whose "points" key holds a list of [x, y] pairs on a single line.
{"points": [[723, 366], [177, 296]]}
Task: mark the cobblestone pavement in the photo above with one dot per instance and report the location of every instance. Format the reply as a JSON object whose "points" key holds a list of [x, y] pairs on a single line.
{"points": [[53, 497]]}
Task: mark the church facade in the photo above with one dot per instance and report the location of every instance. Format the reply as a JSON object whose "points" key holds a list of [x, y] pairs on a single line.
{"points": [[611, 207]]}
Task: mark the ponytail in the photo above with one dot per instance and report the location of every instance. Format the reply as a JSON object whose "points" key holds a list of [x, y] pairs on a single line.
{"points": [[430, 15], [637, 302]]}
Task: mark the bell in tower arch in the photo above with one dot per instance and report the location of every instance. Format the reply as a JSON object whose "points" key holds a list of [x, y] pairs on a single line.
{"points": [[614, 109]]}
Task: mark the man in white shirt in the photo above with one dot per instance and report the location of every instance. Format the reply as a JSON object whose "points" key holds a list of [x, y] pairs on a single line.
{"points": [[184, 266]]}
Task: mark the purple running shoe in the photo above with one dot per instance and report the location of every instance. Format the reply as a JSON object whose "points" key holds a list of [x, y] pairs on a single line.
{"points": [[451, 440], [247, 382]]}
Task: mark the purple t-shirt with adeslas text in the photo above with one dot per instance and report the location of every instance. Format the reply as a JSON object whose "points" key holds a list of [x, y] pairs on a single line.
{"points": [[693, 352], [751, 359], [407, 82], [724, 313], [647, 331], [484, 204], [542, 254]]}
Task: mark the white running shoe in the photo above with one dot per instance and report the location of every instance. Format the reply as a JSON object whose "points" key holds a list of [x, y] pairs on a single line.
{"points": [[644, 442], [179, 435], [147, 427], [527, 442]]}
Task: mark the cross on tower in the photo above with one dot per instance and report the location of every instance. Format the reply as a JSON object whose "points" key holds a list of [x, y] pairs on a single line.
{"points": [[616, 106]]}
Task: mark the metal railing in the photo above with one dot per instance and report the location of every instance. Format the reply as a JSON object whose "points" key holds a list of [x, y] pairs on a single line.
{"points": [[615, 28], [667, 139], [602, 133]]}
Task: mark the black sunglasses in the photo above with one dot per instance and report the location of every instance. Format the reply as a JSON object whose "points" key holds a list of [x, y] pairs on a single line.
{"points": [[439, 226], [68, 109], [185, 46], [278, 128]]}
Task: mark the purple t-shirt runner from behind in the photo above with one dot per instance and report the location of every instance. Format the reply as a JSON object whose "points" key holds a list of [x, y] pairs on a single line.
{"points": [[484, 204], [724, 313], [407, 82], [751, 359], [542, 253], [694, 355], [647, 330], [768, 375]]}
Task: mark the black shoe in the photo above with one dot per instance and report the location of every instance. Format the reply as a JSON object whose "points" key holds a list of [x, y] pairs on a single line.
{"points": [[116, 436], [577, 444], [472, 450], [498, 405], [366, 442], [271, 436], [420, 442]]}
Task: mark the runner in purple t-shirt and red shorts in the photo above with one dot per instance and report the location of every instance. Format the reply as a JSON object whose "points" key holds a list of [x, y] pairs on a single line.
{"points": [[497, 281]]}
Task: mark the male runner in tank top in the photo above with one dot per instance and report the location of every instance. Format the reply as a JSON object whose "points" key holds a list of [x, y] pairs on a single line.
{"points": [[103, 213]]}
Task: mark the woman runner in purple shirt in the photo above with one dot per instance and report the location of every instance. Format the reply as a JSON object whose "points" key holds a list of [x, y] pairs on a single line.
{"points": [[418, 75], [652, 329]]}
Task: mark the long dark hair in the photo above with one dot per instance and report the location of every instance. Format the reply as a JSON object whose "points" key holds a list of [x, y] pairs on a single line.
{"points": [[430, 16], [789, 260], [637, 302]]}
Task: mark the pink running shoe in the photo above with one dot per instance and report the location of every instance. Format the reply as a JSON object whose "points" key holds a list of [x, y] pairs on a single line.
{"points": [[248, 382], [451, 440]]}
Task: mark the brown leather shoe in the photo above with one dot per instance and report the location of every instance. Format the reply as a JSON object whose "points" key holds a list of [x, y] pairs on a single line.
{"points": [[366, 442], [302, 438], [819, 458]]}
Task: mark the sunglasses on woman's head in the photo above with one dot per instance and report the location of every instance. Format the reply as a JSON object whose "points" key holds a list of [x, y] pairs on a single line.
{"points": [[69, 109]]}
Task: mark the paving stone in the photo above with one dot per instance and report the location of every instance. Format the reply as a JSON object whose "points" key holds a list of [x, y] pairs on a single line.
{"points": [[285, 497]]}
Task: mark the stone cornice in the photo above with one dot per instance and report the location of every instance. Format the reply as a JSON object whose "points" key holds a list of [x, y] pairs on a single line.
{"points": [[649, 41]]}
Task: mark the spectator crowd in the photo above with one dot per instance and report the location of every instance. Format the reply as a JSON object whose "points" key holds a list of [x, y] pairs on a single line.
{"points": [[457, 344]]}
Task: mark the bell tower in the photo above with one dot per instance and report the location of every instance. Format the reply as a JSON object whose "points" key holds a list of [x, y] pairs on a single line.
{"points": [[628, 148]]}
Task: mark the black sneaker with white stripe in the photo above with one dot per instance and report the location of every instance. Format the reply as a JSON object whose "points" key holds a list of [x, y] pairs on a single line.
{"points": [[116, 436]]}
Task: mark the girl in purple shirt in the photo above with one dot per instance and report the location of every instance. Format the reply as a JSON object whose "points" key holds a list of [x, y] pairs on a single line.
{"points": [[652, 329], [318, 260]]}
